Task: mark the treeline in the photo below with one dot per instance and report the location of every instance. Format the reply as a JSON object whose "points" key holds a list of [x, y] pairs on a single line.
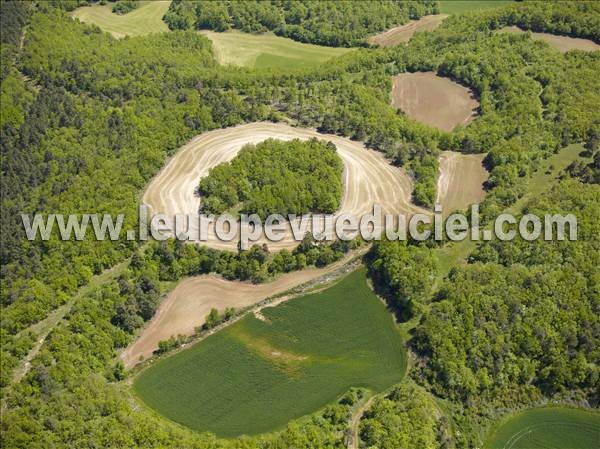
{"points": [[521, 322], [405, 417], [276, 177], [139, 288], [404, 274], [575, 19], [331, 23], [125, 6]]}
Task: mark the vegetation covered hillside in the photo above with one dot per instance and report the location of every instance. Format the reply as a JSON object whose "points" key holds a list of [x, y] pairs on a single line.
{"points": [[87, 120], [331, 23], [276, 177]]}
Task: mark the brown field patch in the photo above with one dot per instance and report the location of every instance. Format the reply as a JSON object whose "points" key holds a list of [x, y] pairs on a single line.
{"points": [[369, 179], [460, 182], [404, 33], [187, 306], [434, 100], [561, 43]]}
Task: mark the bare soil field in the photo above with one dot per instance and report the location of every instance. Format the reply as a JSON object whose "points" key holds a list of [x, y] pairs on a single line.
{"points": [[368, 177], [404, 33], [461, 181], [561, 43], [187, 306], [434, 100]]}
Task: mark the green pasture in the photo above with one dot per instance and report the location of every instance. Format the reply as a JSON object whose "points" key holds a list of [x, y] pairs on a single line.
{"points": [[254, 376], [548, 428], [268, 51], [462, 6], [145, 19]]}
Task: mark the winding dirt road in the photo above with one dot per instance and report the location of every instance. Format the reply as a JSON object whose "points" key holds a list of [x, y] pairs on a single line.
{"points": [[368, 178]]}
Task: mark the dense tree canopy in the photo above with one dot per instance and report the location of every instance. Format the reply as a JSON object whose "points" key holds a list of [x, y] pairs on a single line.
{"points": [[332, 23], [87, 120], [276, 177]]}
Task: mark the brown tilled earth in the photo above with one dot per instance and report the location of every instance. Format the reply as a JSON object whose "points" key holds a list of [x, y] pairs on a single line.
{"points": [[434, 100], [561, 43], [368, 177], [461, 179], [403, 33], [187, 306]]}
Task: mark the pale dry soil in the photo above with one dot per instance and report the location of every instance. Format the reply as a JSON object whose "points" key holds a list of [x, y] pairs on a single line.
{"points": [[404, 33], [187, 306], [561, 43], [368, 178], [460, 182], [433, 100]]}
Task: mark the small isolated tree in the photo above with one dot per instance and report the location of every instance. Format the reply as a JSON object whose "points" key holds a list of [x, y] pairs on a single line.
{"points": [[212, 319]]}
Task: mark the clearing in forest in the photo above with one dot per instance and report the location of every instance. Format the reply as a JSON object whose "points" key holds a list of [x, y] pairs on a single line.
{"points": [[268, 51], [187, 306], [256, 375], [560, 43], [434, 100], [462, 6], [145, 19], [461, 179], [548, 428], [369, 178], [403, 33]]}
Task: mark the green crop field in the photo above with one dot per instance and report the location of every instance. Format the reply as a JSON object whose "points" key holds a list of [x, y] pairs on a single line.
{"points": [[548, 428], [256, 375], [146, 19], [268, 51], [461, 6]]}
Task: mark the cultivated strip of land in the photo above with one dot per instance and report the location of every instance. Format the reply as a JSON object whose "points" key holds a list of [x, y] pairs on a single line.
{"points": [[433, 100], [561, 43], [461, 179], [368, 177], [268, 50], [187, 306], [145, 19], [404, 33]]}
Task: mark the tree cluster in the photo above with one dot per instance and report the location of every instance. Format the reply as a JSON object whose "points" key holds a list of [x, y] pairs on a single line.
{"points": [[276, 177], [331, 23]]}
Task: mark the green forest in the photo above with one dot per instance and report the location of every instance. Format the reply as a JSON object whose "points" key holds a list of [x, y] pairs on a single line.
{"points": [[87, 120], [276, 177], [331, 23]]}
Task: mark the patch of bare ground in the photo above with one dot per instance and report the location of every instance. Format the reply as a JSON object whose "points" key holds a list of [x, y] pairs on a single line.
{"points": [[404, 33], [433, 100], [368, 178], [561, 43], [460, 182], [187, 306]]}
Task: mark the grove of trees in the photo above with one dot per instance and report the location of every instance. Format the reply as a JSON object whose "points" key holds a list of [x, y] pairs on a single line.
{"points": [[331, 23], [276, 177]]}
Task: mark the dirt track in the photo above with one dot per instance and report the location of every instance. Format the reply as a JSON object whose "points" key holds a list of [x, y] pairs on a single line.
{"points": [[187, 306], [368, 178], [403, 33], [461, 181], [561, 43], [433, 100]]}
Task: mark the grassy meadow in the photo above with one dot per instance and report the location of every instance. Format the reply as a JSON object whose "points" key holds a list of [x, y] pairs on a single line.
{"points": [[146, 19], [267, 50], [461, 6], [548, 428], [257, 374]]}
